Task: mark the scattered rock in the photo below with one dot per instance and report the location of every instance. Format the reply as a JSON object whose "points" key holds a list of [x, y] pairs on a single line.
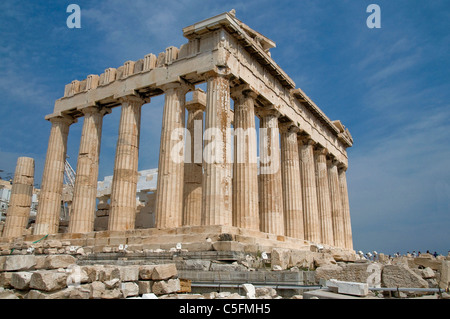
{"points": [[129, 289], [329, 272], [166, 287], [59, 261], [265, 293], [428, 273], [113, 283], [163, 272], [97, 289], [129, 273], [21, 280], [144, 287], [48, 280], [401, 276], [146, 271], [5, 279], [19, 262]]}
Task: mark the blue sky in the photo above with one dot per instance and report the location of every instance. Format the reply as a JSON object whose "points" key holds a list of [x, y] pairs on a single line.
{"points": [[389, 86]]}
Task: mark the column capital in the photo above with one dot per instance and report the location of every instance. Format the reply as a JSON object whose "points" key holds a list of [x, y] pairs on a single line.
{"points": [[218, 72], [320, 150], [268, 111], [306, 139], [288, 127], [342, 166], [64, 119], [192, 107], [133, 98], [198, 101], [96, 109], [243, 91], [331, 159], [184, 86]]}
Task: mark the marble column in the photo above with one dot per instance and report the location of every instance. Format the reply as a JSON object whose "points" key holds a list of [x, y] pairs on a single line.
{"points": [[310, 210], [85, 189], [271, 203], [345, 208], [169, 196], [217, 179], [18, 211], [292, 186], [49, 208], [336, 204], [323, 196], [124, 184], [245, 168], [193, 174]]}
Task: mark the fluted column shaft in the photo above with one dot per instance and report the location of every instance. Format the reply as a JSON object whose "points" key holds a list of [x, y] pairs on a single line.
{"points": [[217, 192], [336, 204], [271, 203], [169, 197], [245, 169], [124, 184], [348, 240], [310, 210], [85, 189], [193, 174], [323, 197], [49, 209], [18, 211], [292, 187]]}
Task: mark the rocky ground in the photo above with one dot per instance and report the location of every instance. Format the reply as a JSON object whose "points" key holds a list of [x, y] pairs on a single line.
{"points": [[52, 270]]}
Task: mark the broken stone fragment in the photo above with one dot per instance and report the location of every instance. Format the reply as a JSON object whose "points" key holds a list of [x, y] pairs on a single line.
{"points": [[113, 283], [146, 271], [163, 272], [129, 289], [48, 280], [21, 280], [59, 261], [401, 276], [166, 287], [129, 273], [97, 289], [145, 287], [19, 262]]}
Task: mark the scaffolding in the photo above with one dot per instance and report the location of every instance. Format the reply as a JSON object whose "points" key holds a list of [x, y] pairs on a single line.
{"points": [[69, 184], [69, 175]]}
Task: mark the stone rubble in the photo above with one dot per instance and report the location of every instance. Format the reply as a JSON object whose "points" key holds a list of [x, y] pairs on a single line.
{"points": [[34, 275], [58, 277]]}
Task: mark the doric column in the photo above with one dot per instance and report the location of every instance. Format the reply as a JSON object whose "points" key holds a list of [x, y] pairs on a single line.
{"points": [[49, 208], [20, 200], [193, 175], [308, 176], [336, 204], [245, 168], [323, 196], [345, 208], [292, 186], [169, 196], [85, 190], [124, 184], [217, 196], [271, 203]]}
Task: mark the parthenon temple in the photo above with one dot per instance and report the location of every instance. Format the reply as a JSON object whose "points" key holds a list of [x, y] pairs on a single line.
{"points": [[280, 185]]}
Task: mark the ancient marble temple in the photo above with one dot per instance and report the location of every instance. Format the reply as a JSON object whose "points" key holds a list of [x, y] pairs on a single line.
{"points": [[292, 194]]}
